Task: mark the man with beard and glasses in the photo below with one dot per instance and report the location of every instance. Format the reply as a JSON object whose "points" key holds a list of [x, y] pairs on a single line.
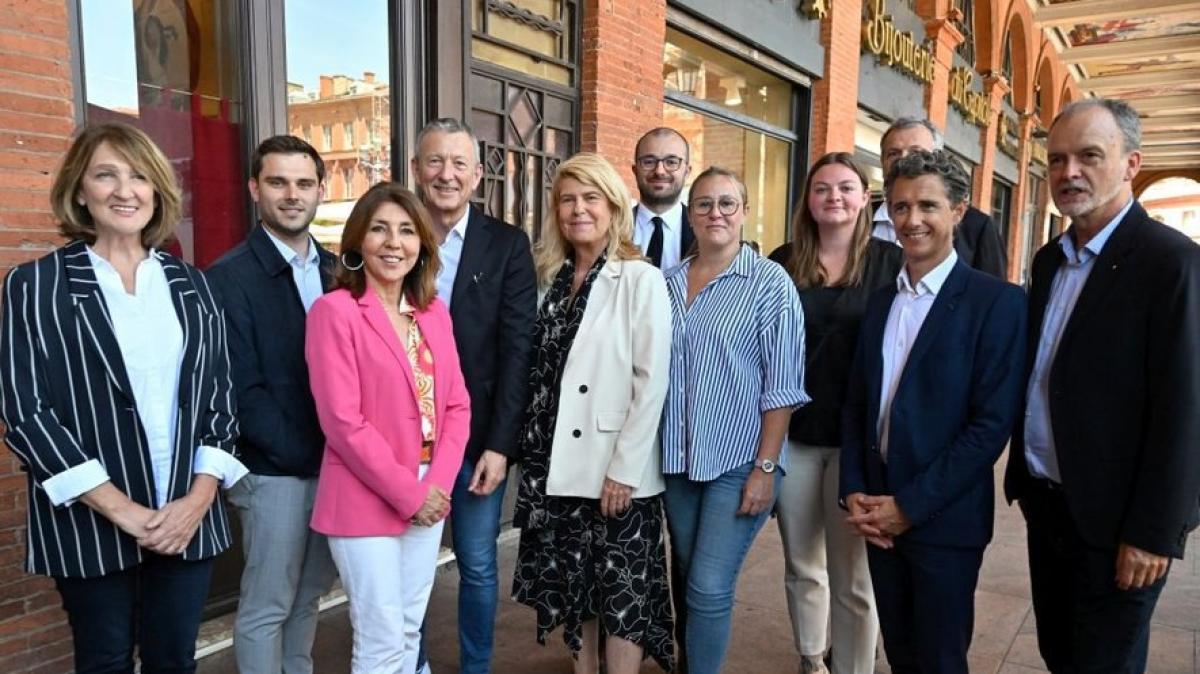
{"points": [[660, 228], [1104, 463], [267, 285], [487, 280]]}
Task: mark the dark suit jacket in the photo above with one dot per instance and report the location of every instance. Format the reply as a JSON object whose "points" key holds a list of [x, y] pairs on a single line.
{"points": [[265, 317], [66, 399], [686, 236], [493, 308], [1125, 389], [977, 242], [952, 413]]}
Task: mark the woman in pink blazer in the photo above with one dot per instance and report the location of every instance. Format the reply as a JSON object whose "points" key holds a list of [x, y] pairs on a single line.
{"points": [[395, 412]]}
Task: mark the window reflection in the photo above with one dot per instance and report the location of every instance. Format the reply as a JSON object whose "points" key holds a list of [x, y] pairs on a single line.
{"points": [[339, 99], [171, 68], [695, 69]]}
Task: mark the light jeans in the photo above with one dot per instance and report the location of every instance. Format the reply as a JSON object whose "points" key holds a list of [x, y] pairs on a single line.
{"points": [[710, 541], [824, 561]]}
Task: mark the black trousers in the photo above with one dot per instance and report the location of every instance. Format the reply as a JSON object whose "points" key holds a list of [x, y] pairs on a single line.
{"points": [[925, 595], [1085, 623], [156, 606]]}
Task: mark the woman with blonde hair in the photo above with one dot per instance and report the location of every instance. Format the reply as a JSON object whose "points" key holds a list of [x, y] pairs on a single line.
{"points": [[592, 555], [115, 396], [835, 265]]}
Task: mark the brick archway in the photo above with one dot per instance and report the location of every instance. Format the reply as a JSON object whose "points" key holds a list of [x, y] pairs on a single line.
{"points": [[1022, 58], [1147, 178]]}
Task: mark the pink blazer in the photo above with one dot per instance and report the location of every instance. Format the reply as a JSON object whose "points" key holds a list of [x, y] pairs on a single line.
{"points": [[367, 404]]}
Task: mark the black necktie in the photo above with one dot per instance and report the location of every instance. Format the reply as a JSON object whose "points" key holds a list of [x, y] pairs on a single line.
{"points": [[654, 250]]}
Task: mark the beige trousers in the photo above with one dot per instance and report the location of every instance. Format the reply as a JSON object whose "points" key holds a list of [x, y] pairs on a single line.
{"points": [[826, 577]]}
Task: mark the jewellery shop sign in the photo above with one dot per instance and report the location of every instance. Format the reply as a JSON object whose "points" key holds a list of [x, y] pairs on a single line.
{"points": [[895, 48]]}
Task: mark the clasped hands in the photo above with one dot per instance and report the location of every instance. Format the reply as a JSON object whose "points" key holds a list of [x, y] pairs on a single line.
{"points": [[435, 508], [168, 530], [878, 519]]}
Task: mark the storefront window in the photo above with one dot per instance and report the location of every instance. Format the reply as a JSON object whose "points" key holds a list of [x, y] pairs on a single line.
{"points": [[331, 91], [1034, 221], [171, 68], [737, 116], [1001, 208]]}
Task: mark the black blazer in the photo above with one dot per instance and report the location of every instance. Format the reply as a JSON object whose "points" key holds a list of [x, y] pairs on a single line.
{"points": [[1125, 389], [952, 412], [280, 434], [65, 399], [977, 242], [686, 236], [493, 308]]}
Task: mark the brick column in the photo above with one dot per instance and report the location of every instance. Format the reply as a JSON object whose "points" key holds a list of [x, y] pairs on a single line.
{"points": [[995, 86], [621, 89], [835, 95], [37, 117], [945, 37]]}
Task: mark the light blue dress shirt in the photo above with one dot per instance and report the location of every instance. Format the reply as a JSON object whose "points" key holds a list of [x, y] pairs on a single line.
{"points": [[450, 254], [1040, 455], [306, 271], [736, 352]]}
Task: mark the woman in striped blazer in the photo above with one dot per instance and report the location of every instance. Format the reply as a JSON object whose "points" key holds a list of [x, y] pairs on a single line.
{"points": [[115, 395]]}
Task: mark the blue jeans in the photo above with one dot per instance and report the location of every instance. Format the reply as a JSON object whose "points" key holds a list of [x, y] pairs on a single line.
{"points": [[710, 541], [474, 527], [155, 605]]}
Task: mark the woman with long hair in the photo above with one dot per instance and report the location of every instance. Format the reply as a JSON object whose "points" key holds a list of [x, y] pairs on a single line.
{"points": [[835, 265]]}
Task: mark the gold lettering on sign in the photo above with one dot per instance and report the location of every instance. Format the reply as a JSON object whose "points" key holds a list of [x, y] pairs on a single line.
{"points": [[974, 105], [895, 48], [1006, 136], [1037, 151], [815, 9]]}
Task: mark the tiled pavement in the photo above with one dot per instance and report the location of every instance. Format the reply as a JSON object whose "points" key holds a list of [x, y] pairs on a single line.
{"points": [[1004, 640]]}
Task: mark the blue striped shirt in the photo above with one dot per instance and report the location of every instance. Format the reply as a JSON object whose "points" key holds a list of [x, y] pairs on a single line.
{"points": [[737, 352]]}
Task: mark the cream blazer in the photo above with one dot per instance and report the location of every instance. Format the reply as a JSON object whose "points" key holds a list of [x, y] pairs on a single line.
{"points": [[613, 386]]}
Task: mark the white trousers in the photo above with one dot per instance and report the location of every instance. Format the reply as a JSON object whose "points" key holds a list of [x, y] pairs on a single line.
{"points": [[388, 580], [825, 561]]}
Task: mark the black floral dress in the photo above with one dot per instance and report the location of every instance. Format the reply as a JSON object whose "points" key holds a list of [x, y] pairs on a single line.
{"points": [[574, 564]]}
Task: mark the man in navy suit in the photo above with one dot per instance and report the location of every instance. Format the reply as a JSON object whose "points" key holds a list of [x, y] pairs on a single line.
{"points": [[932, 398], [1105, 462], [660, 224]]}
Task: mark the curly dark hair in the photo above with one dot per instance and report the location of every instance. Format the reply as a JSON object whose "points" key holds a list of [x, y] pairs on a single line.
{"points": [[939, 163]]}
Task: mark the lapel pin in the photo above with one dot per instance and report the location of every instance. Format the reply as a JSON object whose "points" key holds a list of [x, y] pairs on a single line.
{"points": [[477, 278]]}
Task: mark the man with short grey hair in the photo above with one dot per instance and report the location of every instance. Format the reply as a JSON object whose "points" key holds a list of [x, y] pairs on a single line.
{"points": [[487, 281], [1104, 462], [976, 239]]}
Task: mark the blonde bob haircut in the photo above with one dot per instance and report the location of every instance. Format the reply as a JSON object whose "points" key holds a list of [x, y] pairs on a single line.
{"points": [[135, 147], [591, 169]]}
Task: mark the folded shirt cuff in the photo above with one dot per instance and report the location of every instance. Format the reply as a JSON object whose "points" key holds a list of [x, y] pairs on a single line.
{"points": [[220, 464], [66, 487], [773, 400]]}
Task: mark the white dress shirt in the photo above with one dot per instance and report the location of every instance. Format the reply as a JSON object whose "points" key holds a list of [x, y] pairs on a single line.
{"points": [[672, 219], [882, 225], [306, 271], [909, 309], [450, 254], [151, 343]]}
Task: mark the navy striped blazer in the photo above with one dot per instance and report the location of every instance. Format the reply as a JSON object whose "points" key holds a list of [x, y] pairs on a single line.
{"points": [[65, 398]]}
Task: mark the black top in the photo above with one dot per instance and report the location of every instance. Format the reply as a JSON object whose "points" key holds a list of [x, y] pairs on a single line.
{"points": [[832, 316]]}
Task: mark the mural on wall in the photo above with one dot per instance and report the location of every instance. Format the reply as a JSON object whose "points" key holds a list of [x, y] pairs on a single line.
{"points": [[1171, 62], [1135, 28]]}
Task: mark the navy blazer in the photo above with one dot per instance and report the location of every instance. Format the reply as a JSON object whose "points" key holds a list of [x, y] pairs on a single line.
{"points": [[265, 316], [1124, 389], [65, 399], [493, 308], [953, 410]]}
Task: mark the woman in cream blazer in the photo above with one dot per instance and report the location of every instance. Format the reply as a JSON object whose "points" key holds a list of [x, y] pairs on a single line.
{"points": [[588, 502]]}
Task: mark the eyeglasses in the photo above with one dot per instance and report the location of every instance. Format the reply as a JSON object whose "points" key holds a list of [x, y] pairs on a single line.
{"points": [[727, 206], [649, 162]]}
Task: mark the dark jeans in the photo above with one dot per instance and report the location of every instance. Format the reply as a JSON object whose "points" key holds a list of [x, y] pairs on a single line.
{"points": [[155, 606], [925, 595], [1085, 623]]}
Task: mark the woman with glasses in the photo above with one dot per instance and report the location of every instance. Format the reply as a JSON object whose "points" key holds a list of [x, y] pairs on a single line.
{"points": [[835, 265], [737, 372]]}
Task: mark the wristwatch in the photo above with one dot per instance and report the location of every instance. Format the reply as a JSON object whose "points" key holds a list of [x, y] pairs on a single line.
{"points": [[767, 465]]}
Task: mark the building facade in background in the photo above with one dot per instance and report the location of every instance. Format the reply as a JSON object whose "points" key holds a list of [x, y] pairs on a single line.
{"points": [[762, 87]]}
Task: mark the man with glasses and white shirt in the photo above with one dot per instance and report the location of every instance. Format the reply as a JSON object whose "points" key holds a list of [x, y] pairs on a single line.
{"points": [[660, 227]]}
